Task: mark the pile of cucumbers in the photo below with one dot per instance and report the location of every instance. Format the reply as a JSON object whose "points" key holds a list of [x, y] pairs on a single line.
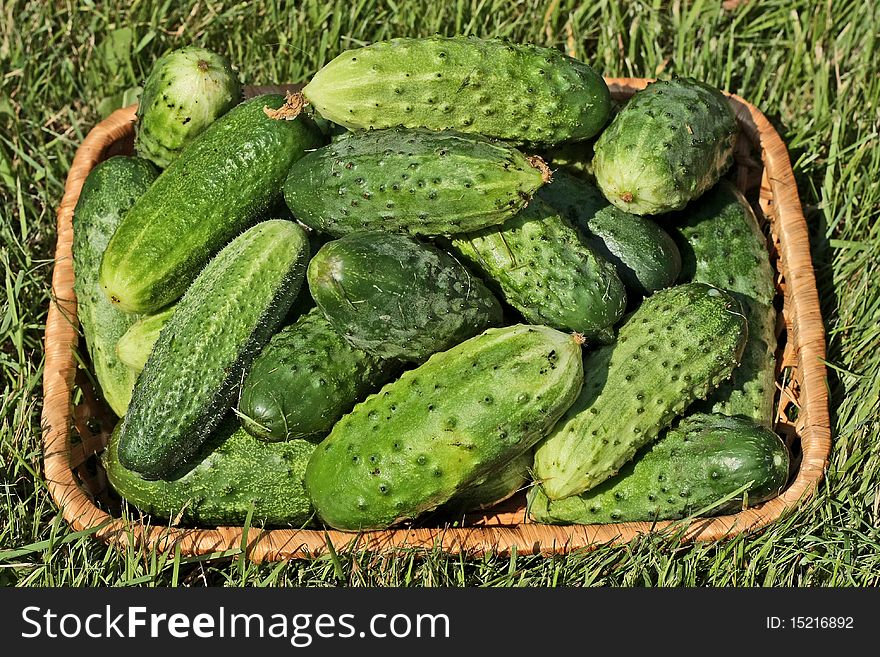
{"points": [[448, 270]]}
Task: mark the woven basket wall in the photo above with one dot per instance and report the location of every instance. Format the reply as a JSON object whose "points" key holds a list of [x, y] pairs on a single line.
{"points": [[76, 423]]}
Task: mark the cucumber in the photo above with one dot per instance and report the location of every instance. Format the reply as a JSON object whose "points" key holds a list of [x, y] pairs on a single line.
{"points": [[305, 379], [412, 181], [538, 263], [110, 189], [722, 245], [670, 143], [704, 460], [135, 345], [395, 297], [207, 196], [678, 345], [442, 426], [492, 87], [235, 475], [187, 90], [194, 371], [645, 256]]}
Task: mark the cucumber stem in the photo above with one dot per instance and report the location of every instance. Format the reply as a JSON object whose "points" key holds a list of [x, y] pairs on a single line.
{"points": [[293, 105]]}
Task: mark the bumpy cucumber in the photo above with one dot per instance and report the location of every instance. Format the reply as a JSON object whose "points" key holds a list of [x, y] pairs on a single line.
{"points": [[645, 256], [396, 297], [676, 347], [667, 146], [413, 181], [443, 425], [704, 460], [520, 93], [305, 379], [110, 189], [235, 474], [722, 245], [207, 196], [196, 366], [540, 265], [493, 487], [186, 90], [135, 345]]}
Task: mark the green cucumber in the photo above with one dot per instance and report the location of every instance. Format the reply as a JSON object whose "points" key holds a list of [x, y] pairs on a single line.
{"points": [[722, 245], [515, 92], [412, 181], [195, 369], [110, 189], [236, 477], [678, 345], [395, 297], [442, 426], [305, 379], [494, 487], [186, 91], [669, 144], [135, 345], [645, 256], [694, 466], [230, 174], [541, 266]]}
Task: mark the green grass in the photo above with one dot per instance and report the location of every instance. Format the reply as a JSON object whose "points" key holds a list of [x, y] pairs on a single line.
{"points": [[811, 65]]}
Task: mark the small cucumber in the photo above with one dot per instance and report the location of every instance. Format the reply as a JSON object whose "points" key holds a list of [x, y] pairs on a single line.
{"points": [[195, 369], [704, 460], [442, 426], [305, 379], [186, 90], [675, 348], [235, 475], [110, 189], [213, 191], [411, 181], [135, 345], [492, 87], [395, 297], [722, 245], [538, 263], [645, 256], [669, 144]]}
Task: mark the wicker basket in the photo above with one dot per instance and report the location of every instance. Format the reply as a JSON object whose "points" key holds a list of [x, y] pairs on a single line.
{"points": [[75, 431]]}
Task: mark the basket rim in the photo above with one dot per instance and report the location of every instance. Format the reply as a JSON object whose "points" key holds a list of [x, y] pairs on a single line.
{"points": [[807, 332]]}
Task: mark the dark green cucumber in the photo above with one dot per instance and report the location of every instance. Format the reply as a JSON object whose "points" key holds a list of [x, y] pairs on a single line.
{"points": [[669, 144], [675, 348], [395, 297], [574, 158], [645, 256], [722, 245], [541, 266], [305, 379], [194, 371], [494, 487], [134, 346], [411, 181], [515, 92], [235, 475], [110, 189], [187, 90], [232, 172], [442, 426], [695, 466]]}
